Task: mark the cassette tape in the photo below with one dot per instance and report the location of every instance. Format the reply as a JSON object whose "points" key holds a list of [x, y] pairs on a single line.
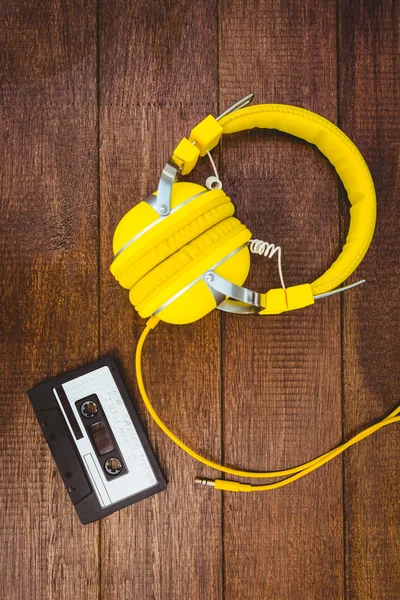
{"points": [[96, 439]]}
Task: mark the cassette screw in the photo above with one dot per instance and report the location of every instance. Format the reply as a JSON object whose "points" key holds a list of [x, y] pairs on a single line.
{"points": [[89, 409], [163, 209], [113, 466], [209, 277]]}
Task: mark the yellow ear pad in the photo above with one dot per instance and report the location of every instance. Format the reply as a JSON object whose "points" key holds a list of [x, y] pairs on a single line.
{"points": [[143, 239], [136, 270], [185, 267], [167, 269]]}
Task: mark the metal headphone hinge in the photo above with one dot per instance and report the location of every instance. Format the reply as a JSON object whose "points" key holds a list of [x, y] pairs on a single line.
{"points": [[222, 288], [162, 202]]}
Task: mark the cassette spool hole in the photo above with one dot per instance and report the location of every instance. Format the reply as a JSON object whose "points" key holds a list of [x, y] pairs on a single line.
{"points": [[89, 409], [113, 466]]}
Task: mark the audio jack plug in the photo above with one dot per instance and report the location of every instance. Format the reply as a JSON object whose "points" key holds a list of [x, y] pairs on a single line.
{"points": [[227, 486]]}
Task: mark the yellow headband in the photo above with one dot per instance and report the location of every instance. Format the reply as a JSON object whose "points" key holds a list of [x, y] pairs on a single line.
{"points": [[331, 141]]}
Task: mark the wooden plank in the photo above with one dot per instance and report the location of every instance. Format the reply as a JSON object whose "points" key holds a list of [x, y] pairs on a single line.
{"points": [[158, 79], [48, 52], [282, 376], [370, 103], [48, 316], [48, 282]]}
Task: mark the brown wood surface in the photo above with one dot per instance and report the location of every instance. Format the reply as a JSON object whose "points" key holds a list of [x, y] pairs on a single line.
{"points": [[168, 546], [48, 283], [93, 97], [281, 374], [370, 102]]}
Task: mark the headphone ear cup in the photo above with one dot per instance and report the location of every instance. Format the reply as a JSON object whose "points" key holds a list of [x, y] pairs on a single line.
{"points": [[143, 239], [171, 245], [198, 300], [176, 291]]}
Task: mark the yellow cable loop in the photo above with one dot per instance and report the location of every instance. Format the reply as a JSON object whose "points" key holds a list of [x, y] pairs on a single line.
{"points": [[291, 474]]}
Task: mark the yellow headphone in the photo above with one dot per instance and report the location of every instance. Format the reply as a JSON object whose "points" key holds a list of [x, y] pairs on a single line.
{"points": [[182, 253]]}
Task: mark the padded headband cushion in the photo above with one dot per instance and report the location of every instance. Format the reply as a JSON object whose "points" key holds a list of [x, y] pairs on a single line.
{"points": [[349, 165]]}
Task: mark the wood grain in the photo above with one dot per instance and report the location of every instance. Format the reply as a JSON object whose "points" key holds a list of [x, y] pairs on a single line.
{"points": [[93, 98], [370, 104], [282, 401], [48, 316], [48, 52], [49, 288], [156, 79]]}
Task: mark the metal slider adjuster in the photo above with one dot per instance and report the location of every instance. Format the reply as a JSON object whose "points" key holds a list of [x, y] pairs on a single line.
{"points": [[162, 202]]}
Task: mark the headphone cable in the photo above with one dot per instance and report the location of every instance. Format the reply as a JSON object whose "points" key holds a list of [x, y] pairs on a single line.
{"points": [[290, 475]]}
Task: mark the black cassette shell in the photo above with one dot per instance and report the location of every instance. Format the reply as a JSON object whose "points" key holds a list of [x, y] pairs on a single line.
{"points": [[64, 450]]}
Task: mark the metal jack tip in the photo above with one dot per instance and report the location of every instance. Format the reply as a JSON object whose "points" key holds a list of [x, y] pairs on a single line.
{"points": [[203, 481]]}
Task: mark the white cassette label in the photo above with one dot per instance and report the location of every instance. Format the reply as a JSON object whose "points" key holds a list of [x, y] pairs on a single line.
{"points": [[139, 475]]}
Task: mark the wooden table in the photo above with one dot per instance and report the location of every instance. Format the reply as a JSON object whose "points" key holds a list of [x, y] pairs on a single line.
{"points": [[94, 96]]}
